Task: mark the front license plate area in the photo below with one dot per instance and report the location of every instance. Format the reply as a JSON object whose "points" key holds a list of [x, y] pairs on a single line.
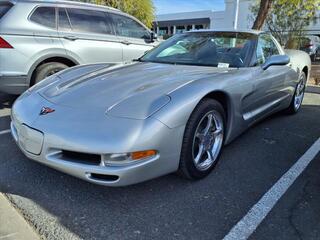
{"points": [[30, 139]]}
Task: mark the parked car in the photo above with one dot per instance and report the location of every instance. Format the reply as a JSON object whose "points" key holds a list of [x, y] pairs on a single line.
{"points": [[311, 45], [172, 110], [39, 38]]}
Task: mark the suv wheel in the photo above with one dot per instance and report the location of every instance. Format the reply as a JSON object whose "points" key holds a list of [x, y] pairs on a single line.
{"points": [[48, 69]]}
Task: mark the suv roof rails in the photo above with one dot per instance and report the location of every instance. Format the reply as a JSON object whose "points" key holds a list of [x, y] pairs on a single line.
{"points": [[66, 2]]}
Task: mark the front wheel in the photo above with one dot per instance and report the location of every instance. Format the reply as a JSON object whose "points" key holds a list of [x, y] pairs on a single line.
{"points": [[203, 140], [297, 99]]}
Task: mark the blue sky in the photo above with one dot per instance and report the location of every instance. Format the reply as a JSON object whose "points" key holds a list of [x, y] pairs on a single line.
{"points": [[173, 6]]}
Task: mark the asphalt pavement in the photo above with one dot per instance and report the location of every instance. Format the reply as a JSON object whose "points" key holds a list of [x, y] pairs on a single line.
{"points": [[59, 206]]}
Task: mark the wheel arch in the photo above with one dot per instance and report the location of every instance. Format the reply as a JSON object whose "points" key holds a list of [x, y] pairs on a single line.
{"points": [[225, 100], [70, 62]]}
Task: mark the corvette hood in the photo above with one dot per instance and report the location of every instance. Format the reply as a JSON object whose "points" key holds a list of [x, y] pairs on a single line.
{"points": [[139, 86]]}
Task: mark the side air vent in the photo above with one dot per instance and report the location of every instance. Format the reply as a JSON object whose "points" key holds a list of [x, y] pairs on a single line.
{"points": [[103, 177]]}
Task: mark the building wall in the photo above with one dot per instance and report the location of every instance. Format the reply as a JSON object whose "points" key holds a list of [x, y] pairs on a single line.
{"points": [[225, 19]]}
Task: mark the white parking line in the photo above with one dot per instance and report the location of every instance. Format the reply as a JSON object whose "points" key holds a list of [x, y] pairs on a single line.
{"points": [[4, 131], [249, 223]]}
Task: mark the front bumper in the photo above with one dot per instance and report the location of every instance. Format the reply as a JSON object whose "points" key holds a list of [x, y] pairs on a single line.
{"points": [[13, 84], [63, 131]]}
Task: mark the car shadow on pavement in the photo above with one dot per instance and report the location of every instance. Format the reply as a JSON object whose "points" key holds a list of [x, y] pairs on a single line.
{"points": [[167, 207]]}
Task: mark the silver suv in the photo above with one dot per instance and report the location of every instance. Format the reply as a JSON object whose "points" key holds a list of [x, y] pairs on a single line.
{"points": [[39, 38]]}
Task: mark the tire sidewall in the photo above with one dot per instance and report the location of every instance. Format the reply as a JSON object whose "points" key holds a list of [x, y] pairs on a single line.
{"points": [[43, 70]]}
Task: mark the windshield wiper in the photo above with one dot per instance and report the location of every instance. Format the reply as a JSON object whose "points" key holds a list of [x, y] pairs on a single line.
{"points": [[138, 60]]}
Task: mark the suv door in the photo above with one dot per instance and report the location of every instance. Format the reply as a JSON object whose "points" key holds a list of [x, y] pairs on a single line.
{"points": [[135, 38], [88, 36]]}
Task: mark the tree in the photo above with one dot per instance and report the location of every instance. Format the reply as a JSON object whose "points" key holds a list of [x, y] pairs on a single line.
{"points": [[263, 11], [287, 20], [266, 6], [141, 9]]}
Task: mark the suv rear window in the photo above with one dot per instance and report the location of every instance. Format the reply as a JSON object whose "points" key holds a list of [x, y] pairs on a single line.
{"points": [[4, 8], [45, 16], [89, 21]]}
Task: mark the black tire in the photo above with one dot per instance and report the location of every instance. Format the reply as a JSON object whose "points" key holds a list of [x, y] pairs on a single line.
{"points": [[292, 109], [47, 69], [187, 167]]}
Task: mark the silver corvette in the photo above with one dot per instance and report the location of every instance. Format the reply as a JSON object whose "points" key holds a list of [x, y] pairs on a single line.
{"points": [[172, 110]]}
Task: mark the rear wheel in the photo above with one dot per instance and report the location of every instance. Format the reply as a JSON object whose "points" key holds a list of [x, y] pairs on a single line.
{"points": [[48, 69], [298, 95], [203, 140]]}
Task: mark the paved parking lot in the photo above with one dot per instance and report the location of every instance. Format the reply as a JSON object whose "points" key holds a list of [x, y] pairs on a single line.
{"points": [[62, 207]]}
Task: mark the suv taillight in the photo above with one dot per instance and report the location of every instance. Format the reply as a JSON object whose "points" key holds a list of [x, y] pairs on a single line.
{"points": [[4, 43]]}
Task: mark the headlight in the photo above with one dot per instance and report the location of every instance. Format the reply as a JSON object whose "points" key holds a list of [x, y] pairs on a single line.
{"points": [[139, 106]]}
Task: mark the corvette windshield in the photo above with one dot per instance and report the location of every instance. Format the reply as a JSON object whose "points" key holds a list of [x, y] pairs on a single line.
{"points": [[217, 49]]}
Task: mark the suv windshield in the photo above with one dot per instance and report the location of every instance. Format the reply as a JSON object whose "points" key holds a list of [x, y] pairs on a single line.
{"points": [[218, 49], [4, 8]]}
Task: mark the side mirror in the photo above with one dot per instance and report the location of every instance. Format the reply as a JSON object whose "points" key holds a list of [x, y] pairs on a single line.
{"points": [[279, 60], [153, 36]]}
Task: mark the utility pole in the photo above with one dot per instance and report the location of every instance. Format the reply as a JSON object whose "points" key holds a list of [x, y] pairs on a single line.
{"points": [[236, 15]]}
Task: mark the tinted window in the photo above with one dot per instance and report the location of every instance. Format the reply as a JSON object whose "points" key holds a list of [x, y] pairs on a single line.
{"points": [[89, 21], [128, 27], [45, 16], [4, 8], [266, 48], [64, 23]]}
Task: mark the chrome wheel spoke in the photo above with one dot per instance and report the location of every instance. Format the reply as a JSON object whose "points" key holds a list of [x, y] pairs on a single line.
{"points": [[209, 125], [200, 154], [200, 136], [217, 132], [210, 155]]}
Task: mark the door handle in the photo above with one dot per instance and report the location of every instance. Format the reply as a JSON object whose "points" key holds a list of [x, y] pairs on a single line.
{"points": [[71, 38], [125, 42]]}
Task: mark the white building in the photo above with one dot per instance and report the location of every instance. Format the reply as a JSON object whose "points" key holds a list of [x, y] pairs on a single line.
{"points": [[168, 24]]}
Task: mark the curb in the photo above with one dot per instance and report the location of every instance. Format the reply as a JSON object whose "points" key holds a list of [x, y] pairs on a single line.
{"points": [[12, 225]]}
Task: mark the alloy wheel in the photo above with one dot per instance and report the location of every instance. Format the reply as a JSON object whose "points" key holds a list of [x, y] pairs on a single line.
{"points": [[208, 140]]}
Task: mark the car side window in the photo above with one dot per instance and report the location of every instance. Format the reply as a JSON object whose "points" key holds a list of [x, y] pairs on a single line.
{"points": [[45, 16], [64, 23], [89, 21], [265, 49], [127, 27]]}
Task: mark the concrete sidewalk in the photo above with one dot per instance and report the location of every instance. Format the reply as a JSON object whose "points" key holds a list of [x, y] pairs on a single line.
{"points": [[12, 224]]}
